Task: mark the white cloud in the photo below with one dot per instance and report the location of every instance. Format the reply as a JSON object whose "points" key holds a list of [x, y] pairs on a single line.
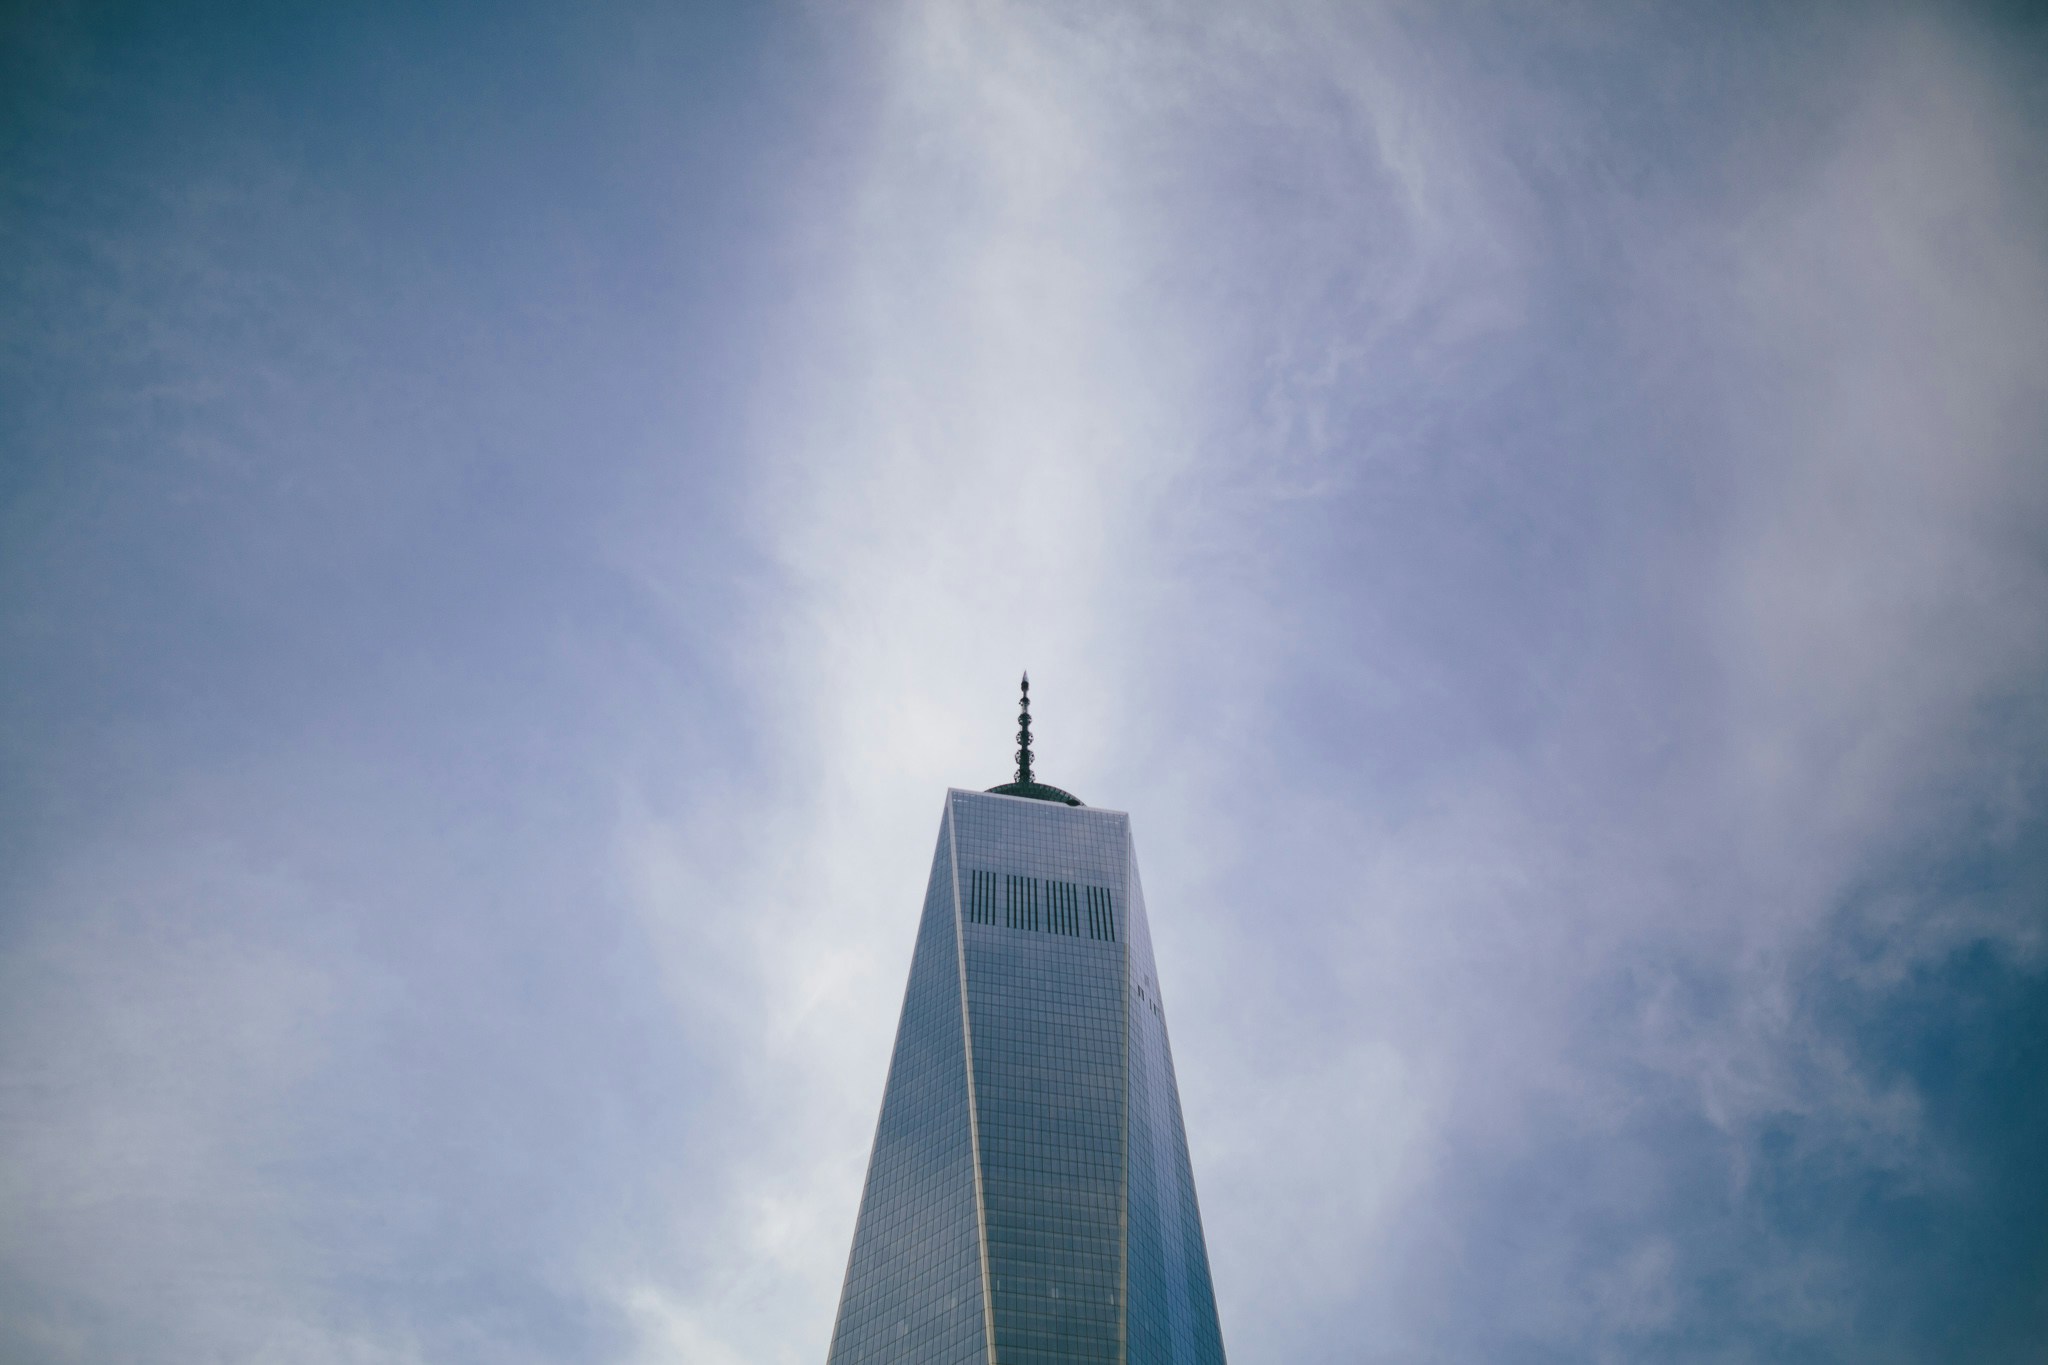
{"points": [[1523, 597], [1007, 444], [157, 1030]]}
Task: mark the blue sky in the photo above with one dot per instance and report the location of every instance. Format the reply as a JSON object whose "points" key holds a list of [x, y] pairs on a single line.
{"points": [[513, 517]]}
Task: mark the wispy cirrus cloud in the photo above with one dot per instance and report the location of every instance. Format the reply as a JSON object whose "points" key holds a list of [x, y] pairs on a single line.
{"points": [[1535, 515]]}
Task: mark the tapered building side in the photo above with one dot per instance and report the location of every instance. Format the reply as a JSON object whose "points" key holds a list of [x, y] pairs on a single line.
{"points": [[1029, 1199]]}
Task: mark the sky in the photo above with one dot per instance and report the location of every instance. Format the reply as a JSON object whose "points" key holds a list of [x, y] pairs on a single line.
{"points": [[512, 516]]}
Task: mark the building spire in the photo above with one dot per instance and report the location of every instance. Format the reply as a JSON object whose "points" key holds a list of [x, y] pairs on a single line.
{"points": [[1026, 783], [1024, 733]]}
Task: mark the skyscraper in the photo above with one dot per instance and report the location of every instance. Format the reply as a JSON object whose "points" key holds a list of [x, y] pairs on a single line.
{"points": [[1029, 1198]]}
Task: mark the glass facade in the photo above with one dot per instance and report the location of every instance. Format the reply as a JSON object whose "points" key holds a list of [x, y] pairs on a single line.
{"points": [[914, 1281], [1029, 1200]]}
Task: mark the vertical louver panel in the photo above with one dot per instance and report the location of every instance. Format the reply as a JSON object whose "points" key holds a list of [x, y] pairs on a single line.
{"points": [[981, 898], [1101, 914]]}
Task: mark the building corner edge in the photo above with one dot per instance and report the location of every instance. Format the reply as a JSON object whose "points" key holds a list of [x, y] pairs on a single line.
{"points": [[988, 1301]]}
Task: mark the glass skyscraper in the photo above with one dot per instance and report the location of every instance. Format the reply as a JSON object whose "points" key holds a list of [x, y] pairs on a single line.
{"points": [[1029, 1198]]}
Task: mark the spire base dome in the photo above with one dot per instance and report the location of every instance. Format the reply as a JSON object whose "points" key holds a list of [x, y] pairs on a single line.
{"points": [[1036, 791]]}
